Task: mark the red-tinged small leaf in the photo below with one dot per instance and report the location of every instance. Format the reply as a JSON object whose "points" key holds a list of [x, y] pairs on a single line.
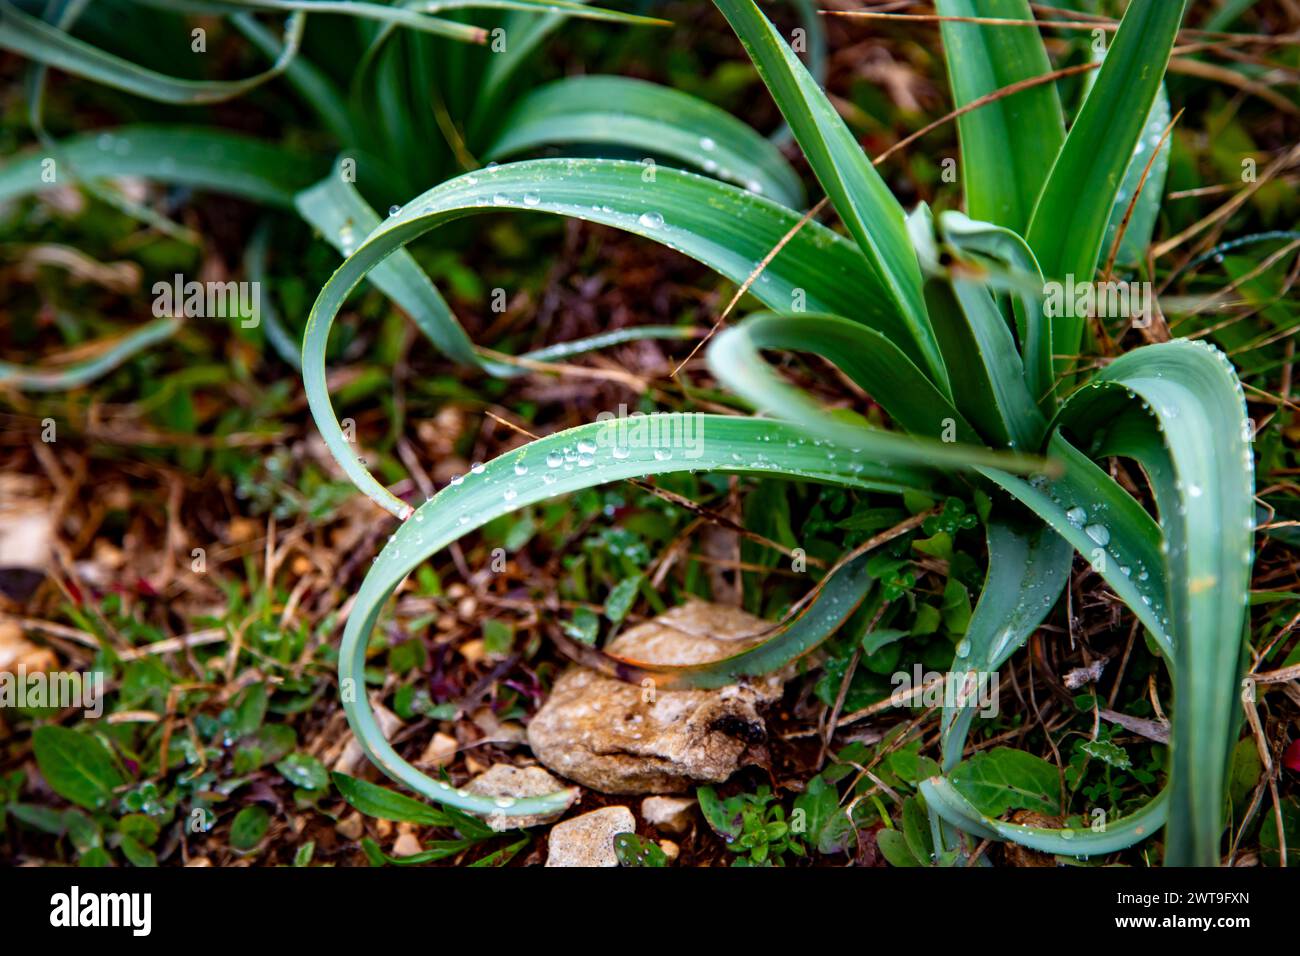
{"points": [[1291, 757]]}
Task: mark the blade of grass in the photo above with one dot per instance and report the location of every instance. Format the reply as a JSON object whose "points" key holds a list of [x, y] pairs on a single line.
{"points": [[43, 43], [1007, 147], [654, 119], [1069, 222], [86, 371], [198, 157], [859, 194], [1205, 496]]}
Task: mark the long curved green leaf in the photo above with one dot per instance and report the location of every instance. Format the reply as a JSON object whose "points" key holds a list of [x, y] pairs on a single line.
{"points": [[859, 194], [1205, 496], [728, 229], [1104, 523], [336, 210], [1028, 569], [735, 360], [870, 359], [839, 598], [1069, 221], [310, 82], [39, 41], [652, 118], [416, 14], [83, 372], [1009, 145], [943, 798], [559, 464], [398, 14], [196, 156]]}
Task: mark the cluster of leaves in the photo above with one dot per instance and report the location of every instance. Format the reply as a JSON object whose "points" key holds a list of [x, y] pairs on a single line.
{"points": [[753, 826], [137, 788], [959, 347]]}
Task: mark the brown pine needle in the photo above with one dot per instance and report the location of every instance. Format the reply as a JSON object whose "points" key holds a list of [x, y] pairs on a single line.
{"points": [[1132, 203], [1231, 206], [1108, 25], [985, 100], [753, 277]]}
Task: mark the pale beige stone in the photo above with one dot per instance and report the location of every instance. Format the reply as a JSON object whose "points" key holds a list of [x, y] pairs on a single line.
{"points": [[622, 738], [503, 780], [440, 752], [19, 655], [353, 756], [350, 827], [407, 843], [668, 814], [588, 840]]}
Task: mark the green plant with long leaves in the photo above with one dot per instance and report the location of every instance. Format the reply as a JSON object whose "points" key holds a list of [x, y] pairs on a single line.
{"points": [[407, 95], [941, 320]]}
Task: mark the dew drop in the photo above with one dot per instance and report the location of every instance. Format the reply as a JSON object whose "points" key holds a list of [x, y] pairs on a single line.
{"points": [[1099, 533]]}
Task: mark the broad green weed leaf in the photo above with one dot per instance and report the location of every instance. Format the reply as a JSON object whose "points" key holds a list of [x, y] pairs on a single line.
{"points": [[386, 804], [1003, 779], [76, 766]]}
